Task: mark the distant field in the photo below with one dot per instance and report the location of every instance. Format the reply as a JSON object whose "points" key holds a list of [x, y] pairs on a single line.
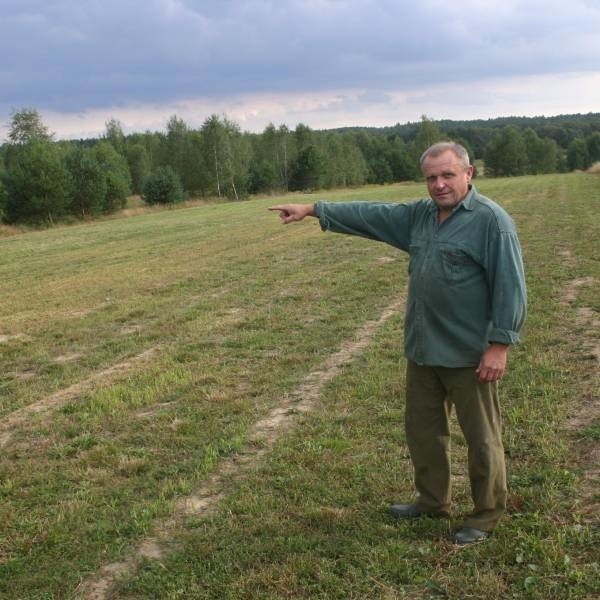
{"points": [[203, 403]]}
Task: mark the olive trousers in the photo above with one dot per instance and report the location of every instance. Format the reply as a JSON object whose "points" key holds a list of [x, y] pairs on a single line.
{"points": [[430, 394]]}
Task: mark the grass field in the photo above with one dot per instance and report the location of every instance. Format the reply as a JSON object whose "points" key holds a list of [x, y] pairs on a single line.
{"points": [[156, 438]]}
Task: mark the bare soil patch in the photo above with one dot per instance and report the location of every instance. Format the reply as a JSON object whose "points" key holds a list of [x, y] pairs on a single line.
{"points": [[68, 358], [84, 312], [569, 294], [130, 329], [567, 258], [6, 338]]}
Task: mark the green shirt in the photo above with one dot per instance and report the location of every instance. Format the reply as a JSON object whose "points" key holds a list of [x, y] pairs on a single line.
{"points": [[466, 281]]}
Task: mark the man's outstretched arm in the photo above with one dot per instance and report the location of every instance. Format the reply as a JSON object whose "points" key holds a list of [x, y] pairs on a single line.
{"points": [[294, 212]]}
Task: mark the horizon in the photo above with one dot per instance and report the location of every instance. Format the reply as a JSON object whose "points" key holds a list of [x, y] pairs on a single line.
{"points": [[56, 137]]}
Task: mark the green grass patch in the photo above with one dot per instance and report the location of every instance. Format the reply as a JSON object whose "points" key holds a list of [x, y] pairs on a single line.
{"points": [[239, 309]]}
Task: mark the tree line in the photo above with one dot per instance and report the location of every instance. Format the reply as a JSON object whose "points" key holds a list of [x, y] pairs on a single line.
{"points": [[42, 180]]}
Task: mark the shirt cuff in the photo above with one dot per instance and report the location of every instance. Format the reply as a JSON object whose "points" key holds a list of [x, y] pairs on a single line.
{"points": [[318, 209], [503, 336]]}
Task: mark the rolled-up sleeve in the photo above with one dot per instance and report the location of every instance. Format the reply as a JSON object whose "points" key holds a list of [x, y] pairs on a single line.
{"points": [[508, 292]]}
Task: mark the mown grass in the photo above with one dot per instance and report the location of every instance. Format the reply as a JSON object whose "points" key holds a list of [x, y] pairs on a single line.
{"points": [[239, 309]]}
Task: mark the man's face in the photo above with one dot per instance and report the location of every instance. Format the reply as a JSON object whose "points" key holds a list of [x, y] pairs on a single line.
{"points": [[447, 180]]}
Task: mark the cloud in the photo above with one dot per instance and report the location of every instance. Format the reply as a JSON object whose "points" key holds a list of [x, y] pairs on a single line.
{"points": [[89, 56], [523, 96]]}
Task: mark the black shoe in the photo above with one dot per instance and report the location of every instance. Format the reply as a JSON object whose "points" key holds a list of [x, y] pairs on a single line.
{"points": [[412, 511], [470, 535]]}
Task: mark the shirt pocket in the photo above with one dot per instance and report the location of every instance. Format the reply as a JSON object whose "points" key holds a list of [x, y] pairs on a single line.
{"points": [[458, 266]]}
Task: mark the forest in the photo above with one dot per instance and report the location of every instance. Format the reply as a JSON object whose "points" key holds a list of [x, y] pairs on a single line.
{"points": [[43, 180]]}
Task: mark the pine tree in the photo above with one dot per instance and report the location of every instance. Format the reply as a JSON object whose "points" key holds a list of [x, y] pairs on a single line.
{"points": [[428, 133], [115, 136], [578, 157], [116, 172], [139, 165], [38, 185], [89, 182], [506, 155]]}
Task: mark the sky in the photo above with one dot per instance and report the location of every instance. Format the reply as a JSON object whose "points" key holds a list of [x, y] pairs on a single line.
{"points": [[324, 63]]}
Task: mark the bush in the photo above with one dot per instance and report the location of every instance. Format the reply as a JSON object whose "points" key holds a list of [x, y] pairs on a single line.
{"points": [[117, 177], [89, 182], [162, 186], [38, 185]]}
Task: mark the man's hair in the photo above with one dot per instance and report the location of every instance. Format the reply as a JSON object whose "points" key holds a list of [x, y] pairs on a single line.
{"points": [[459, 151]]}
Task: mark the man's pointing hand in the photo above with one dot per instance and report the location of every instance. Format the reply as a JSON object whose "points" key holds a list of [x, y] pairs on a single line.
{"points": [[294, 212]]}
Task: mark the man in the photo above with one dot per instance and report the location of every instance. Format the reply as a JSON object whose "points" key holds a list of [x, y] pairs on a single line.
{"points": [[466, 304]]}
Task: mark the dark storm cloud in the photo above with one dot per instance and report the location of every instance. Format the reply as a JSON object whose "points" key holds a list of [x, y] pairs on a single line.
{"points": [[76, 55], [68, 54]]}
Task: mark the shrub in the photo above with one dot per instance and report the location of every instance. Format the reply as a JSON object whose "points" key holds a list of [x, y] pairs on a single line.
{"points": [[38, 185], [117, 177], [89, 182], [162, 186], [139, 166]]}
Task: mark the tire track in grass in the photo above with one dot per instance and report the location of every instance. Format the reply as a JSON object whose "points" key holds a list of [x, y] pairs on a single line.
{"points": [[96, 380], [58, 399], [587, 410], [261, 439]]}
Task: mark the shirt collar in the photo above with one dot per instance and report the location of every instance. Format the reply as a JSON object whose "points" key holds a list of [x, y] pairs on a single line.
{"points": [[467, 203]]}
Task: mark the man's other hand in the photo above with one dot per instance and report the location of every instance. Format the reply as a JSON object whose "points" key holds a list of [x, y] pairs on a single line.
{"points": [[492, 365]]}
